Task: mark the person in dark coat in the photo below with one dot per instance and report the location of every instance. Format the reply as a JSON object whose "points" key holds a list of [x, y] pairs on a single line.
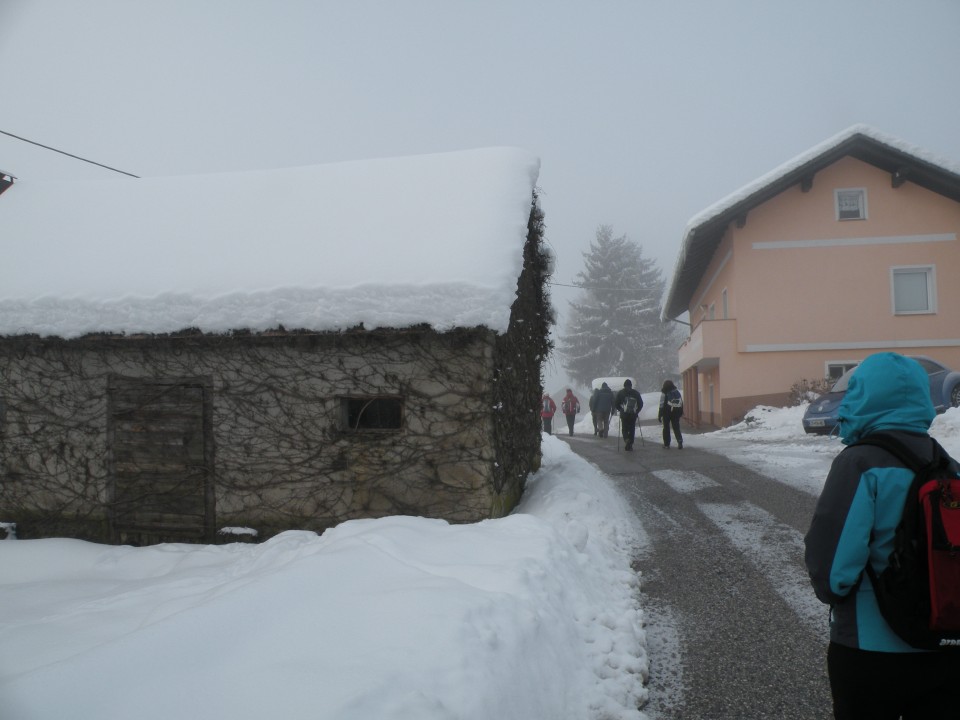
{"points": [[628, 403], [670, 412], [593, 411], [603, 407], [873, 672], [570, 406]]}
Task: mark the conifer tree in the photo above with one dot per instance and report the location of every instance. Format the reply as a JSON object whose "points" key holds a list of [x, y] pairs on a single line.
{"points": [[615, 329]]}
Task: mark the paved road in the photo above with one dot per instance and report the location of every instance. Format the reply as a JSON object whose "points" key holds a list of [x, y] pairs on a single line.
{"points": [[733, 628]]}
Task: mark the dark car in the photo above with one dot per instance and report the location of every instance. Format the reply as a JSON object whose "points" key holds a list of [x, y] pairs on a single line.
{"points": [[821, 416]]}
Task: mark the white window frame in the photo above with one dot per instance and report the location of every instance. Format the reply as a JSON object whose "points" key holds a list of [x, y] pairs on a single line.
{"points": [[843, 364], [931, 272], [861, 202]]}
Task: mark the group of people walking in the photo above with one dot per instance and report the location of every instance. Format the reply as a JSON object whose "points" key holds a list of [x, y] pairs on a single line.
{"points": [[569, 406], [627, 403], [881, 549]]}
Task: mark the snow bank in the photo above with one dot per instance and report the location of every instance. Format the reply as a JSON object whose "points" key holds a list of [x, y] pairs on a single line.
{"points": [[530, 616]]}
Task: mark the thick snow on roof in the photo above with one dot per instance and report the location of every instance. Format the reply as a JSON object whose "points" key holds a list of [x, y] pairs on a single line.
{"points": [[769, 178], [435, 239], [732, 200]]}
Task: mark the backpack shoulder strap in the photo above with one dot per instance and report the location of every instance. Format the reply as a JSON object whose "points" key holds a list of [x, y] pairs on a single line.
{"points": [[921, 470], [896, 447]]}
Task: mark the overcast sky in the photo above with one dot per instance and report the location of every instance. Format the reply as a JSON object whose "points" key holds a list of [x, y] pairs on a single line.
{"points": [[643, 113]]}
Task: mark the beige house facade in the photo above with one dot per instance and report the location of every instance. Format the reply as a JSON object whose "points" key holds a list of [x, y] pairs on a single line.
{"points": [[847, 250]]}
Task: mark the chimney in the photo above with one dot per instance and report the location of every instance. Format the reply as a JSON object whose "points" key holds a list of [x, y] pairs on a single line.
{"points": [[6, 180]]}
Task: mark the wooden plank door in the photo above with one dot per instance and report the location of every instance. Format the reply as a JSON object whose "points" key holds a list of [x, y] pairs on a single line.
{"points": [[161, 460]]}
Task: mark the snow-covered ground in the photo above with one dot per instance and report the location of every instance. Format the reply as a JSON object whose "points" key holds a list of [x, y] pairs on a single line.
{"points": [[530, 616], [772, 442]]}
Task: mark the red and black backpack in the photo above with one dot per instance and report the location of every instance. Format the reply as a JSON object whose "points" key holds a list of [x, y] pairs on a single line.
{"points": [[919, 591]]}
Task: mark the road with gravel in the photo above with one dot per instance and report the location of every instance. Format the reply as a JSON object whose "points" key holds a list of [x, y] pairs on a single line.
{"points": [[733, 628]]}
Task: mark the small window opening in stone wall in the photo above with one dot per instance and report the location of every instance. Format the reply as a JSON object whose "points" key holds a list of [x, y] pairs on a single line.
{"points": [[363, 414]]}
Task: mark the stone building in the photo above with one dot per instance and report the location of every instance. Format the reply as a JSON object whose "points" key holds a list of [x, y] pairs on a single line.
{"points": [[182, 357]]}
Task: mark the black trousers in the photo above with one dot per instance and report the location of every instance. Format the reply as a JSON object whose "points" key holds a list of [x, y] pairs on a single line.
{"points": [[673, 422], [570, 420], [547, 424], [628, 426], [889, 686]]}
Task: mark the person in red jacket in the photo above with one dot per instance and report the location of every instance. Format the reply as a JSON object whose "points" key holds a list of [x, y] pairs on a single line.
{"points": [[547, 409], [570, 407]]}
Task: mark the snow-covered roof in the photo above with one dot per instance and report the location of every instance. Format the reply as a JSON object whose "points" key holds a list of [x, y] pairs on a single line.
{"points": [[705, 230], [435, 239], [614, 383]]}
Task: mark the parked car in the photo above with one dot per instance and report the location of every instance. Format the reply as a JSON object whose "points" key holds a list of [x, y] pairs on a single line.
{"points": [[821, 416]]}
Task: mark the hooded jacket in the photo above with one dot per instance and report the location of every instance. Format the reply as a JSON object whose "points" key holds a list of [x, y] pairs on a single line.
{"points": [[863, 497], [570, 404], [547, 407]]}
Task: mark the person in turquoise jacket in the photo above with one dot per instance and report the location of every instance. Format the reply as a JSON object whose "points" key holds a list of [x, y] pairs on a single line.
{"points": [[873, 673]]}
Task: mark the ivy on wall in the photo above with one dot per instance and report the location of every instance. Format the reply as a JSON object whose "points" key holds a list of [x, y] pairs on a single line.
{"points": [[282, 458]]}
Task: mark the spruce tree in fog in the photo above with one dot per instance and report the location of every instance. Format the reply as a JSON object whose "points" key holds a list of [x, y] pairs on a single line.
{"points": [[614, 328]]}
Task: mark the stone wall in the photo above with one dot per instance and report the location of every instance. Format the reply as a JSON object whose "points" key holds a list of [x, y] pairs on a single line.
{"points": [[277, 454], [282, 458]]}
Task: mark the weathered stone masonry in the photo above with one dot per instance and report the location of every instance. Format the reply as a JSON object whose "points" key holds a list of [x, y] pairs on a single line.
{"points": [[158, 438]]}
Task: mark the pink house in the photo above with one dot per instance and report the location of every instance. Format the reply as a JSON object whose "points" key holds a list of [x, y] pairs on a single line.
{"points": [[849, 249]]}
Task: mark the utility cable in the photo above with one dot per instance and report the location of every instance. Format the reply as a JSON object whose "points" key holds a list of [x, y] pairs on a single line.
{"points": [[76, 157], [593, 287]]}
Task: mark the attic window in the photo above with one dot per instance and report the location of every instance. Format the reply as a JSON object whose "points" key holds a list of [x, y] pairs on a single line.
{"points": [[851, 203], [363, 414]]}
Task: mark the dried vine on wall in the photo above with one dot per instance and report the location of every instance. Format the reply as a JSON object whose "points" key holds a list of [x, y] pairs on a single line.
{"points": [[282, 456]]}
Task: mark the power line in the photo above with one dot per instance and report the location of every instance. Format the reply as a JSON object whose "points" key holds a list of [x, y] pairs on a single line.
{"points": [[591, 287], [76, 157], [564, 285]]}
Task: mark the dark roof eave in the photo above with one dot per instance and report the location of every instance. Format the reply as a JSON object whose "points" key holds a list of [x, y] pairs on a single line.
{"points": [[702, 240]]}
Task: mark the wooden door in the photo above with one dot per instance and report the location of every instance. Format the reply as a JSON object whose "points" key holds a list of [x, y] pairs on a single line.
{"points": [[161, 460]]}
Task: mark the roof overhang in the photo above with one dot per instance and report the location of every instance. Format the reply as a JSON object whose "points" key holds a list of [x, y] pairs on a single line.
{"points": [[705, 231], [6, 180]]}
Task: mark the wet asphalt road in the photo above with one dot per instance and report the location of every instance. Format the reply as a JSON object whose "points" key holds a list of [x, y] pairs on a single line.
{"points": [[733, 628]]}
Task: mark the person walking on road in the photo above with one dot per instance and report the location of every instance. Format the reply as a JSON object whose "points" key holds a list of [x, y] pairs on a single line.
{"points": [[547, 410], [592, 403], [628, 403], [873, 672], [603, 407], [570, 406], [670, 412]]}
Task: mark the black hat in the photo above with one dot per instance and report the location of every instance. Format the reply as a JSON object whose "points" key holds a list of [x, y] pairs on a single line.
{"points": [[627, 383]]}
